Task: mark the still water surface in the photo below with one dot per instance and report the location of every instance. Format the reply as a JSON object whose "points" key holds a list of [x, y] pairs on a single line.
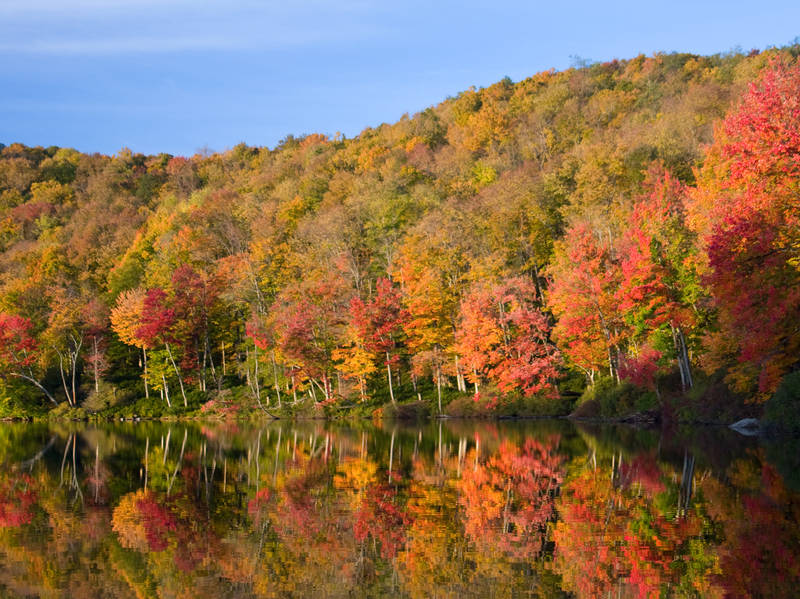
{"points": [[450, 509]]}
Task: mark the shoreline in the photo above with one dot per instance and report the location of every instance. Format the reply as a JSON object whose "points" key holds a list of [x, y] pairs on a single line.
{"points": [[636, 420]]}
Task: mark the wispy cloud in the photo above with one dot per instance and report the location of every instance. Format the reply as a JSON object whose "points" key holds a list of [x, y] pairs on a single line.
{"points": [[107, 27], [125, 45], [167, 43], [39, 7], [72, 7]]}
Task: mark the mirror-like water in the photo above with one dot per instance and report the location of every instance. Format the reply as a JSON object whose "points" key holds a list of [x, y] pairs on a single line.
{"points": [[450, 509]]}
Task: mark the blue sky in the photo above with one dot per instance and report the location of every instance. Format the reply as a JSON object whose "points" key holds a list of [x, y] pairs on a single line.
{"points": [[181, 75]]}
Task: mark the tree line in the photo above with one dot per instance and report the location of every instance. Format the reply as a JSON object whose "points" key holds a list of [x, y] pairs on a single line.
{"points": [[628, 221]]}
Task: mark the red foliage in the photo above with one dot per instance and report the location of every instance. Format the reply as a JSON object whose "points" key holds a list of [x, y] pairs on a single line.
{"points": [[656, 256], [17, 345], [508, 501], [380, 320], [258, 333], [312, 318], [612, 536], [180, 317], [747, 209], [193, 297], [762, 535], [642, 470], [380, 517], [158, 522], [221, 408], [31, 211], [504, 337], [641, 369], [256, 505], [157, 319], [301, 339], [583, 296], [17, 500], [763, 136]]}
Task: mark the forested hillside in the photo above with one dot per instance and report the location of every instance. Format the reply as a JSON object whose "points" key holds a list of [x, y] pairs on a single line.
{"points": [[631, 224]]}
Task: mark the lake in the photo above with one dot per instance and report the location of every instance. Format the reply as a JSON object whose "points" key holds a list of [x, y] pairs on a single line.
{"points": [[437, 509]]}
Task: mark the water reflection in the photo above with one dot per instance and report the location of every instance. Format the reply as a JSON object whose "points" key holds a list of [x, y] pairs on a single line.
{"points": [[445, 509]]}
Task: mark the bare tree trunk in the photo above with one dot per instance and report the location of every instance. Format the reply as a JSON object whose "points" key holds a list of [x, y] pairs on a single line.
{"points": [[611, 364], [247, 364], [326, 386], [63, 378], [461, 384], [96, 359], [389, 370], [76, 345], [391, 455], [166, 390], [30, 379], [439, 387], [146, 385], [178, 374], [73, 368], [679, 358], [217, 380], [539, 295], [275, 375], [686, 362], [253, 381], [685, 358], [202, 370], [311, 390]]}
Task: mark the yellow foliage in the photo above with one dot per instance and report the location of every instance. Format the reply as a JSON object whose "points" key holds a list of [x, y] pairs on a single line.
{"points": [[126, 521]]}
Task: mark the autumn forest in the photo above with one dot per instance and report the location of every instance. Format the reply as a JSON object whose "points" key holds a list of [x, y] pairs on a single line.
{"points": [[615, 238]]}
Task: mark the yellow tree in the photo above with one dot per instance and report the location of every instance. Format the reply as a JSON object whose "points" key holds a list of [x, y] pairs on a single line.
{"points": [[126, 319], [431, 274], [354, 360]]}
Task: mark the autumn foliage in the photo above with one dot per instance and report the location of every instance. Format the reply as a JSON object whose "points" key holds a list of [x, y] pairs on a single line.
{"points": [[504, 337], [596, 223], [745, 210]]}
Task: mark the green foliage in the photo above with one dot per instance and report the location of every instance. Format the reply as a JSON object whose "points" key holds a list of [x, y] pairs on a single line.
{"points": [[64, 411], [782, 410], [106, 399], [496, 406], [414, 410], [711, 401], [613, 400]]}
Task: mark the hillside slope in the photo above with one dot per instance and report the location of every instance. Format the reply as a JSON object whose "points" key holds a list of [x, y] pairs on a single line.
{"points": [[437, 251]]}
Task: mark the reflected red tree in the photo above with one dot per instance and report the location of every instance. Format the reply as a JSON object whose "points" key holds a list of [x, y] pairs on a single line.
{"points": [[762, 535], [381, 517], [17, 500], [508, 501], [620, 534]]}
